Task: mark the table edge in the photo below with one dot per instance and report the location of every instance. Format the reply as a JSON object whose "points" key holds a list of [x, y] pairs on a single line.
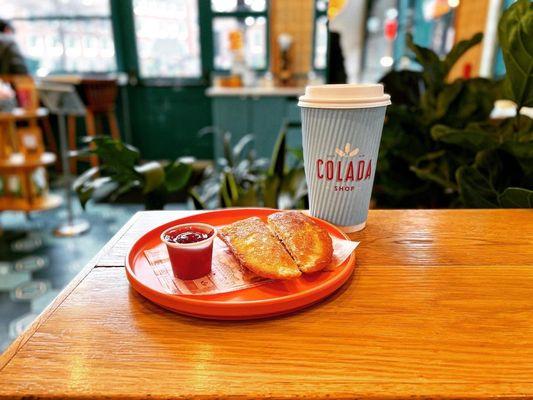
{"points": [[20, 341]]}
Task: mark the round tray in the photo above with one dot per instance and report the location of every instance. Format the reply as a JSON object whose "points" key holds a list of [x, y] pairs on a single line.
{"points": [[271, 299]]}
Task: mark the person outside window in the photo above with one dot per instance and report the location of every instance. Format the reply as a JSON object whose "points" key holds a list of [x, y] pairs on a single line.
{"points": [[11, 60]]}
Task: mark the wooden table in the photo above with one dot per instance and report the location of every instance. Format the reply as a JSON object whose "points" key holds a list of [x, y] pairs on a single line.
{"points": [[440, 306]]}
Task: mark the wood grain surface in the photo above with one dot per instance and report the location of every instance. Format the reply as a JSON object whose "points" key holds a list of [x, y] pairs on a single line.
{"points": [[406, 237], [440, 306]]}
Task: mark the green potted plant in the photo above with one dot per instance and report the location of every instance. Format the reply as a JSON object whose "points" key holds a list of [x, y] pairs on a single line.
{"points": [[243, 180], [120, 171], [440, 148]]}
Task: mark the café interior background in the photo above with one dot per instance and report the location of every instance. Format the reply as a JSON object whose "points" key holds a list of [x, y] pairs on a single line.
{"points": [[173, 68], [168, 52]]}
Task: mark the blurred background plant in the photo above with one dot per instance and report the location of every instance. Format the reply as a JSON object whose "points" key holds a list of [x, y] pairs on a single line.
{"points": [[235, 180], [240, 179], [120, 172], [440, 148]]}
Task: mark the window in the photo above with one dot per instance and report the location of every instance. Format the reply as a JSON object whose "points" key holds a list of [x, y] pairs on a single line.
{"points": [[320, 49], [238, 5], [249, 18], [168, 38], [63, 36]]}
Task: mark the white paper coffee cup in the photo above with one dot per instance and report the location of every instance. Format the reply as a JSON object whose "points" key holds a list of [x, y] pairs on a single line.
{"points": [[341, 132]]}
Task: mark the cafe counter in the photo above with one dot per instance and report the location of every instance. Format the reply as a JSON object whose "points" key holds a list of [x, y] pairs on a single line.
{"points": [[257, 110]]}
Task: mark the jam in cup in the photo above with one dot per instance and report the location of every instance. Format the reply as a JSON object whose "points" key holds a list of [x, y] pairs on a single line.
{"points": [[190, 249]]}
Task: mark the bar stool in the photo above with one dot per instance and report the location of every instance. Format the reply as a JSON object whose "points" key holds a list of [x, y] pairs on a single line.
{"points": [[99, 96]]}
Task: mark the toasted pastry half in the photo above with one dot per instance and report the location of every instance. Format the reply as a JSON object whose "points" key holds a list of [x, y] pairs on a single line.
{"points": [[256, 248], [309, 244]]}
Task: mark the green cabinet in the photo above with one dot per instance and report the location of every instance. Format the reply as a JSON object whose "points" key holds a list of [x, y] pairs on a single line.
{"points": [[267, 115], [262, 116], [230, 114], [165, 121]]}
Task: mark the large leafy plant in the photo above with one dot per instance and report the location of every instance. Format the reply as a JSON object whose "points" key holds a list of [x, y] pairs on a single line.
{"points": [[438, 140], [243, 180], [501, 173], [235, 181], [120, 171]]}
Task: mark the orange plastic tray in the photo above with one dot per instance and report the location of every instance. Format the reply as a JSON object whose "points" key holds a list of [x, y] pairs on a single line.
{"points": [[271, 299]]}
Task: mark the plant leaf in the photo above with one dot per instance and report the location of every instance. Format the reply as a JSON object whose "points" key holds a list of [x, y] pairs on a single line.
{"points": [[472, 137], [241, 144], [85, 177], [475, 189], [445, 98], [474, 103], [270, 191], [523, 152], [433, 67], [481, 183], [153, 175], [404, 87], [233, 189], [114, 153], [177, 176], [459, 49], [298, 153], [196, 200], [277, 163], [515, 33], [226, 147], [83, 185], [248, 198], [292, 189], [516, 198], [120, 190], [431, 174]]}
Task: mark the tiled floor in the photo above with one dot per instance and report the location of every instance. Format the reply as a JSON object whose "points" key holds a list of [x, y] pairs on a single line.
{"points": [[35, 265]]}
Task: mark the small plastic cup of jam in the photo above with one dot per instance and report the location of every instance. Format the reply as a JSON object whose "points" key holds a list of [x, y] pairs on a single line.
{"points": [[190, 249]]}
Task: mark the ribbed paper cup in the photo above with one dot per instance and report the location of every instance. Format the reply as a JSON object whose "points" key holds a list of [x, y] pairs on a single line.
{"points": [[341, 128]]}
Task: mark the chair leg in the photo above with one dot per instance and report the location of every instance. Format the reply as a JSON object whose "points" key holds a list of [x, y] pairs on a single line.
{"points": [[72, 142], [90, 124], [99, 124], [51, 140], [113, 125]]}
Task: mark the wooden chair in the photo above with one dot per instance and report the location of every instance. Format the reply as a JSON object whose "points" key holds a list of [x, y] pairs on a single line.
{"points": [[99, 96]]}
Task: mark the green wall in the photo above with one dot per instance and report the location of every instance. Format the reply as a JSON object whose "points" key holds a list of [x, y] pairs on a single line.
{"points": [[164, 114], [165, 121]]}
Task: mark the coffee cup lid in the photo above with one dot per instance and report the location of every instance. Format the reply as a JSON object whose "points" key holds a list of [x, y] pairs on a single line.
{"points": [[344, 96]]}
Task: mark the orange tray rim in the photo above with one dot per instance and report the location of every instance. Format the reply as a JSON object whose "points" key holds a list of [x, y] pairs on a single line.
{"points": [[348, 266]]}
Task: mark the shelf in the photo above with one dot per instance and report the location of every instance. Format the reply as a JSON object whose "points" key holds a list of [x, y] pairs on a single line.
{"points": [[255, 91], [39, 204], [20, 114], [18, 162]]}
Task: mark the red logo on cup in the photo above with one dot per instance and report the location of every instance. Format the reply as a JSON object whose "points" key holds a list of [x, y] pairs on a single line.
{"points": [[347, 170]]}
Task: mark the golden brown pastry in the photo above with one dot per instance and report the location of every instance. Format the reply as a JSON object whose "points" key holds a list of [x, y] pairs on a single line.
{"points": [[256, 248], [309, 244]]}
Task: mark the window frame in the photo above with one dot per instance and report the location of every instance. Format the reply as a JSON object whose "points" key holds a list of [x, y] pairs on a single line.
{"points": [[122, 21], [241, 15], [84, 17], [131, 63]]}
